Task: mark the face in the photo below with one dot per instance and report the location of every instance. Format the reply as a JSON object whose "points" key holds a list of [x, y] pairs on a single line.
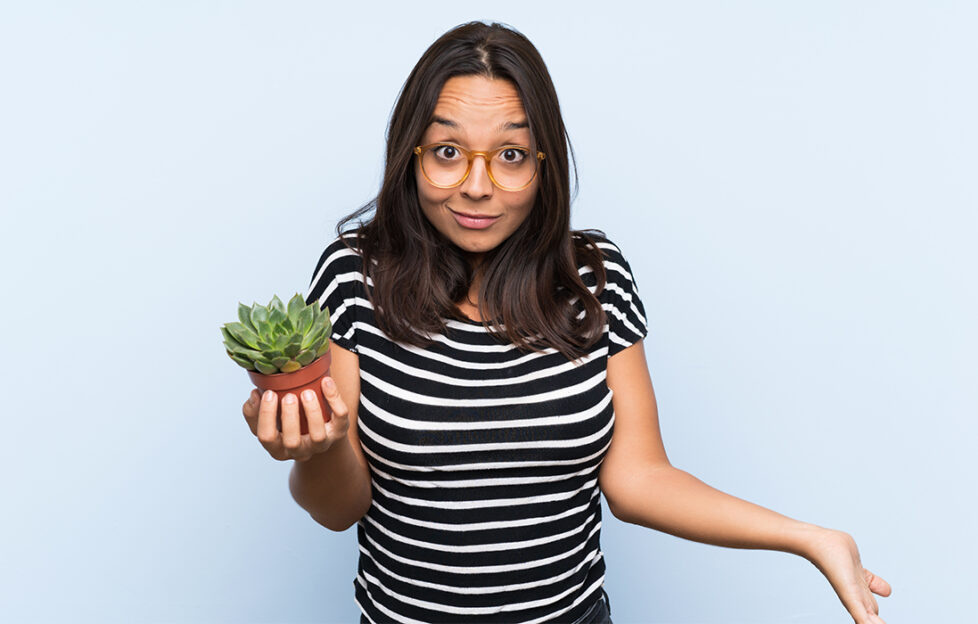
{"points": [[477, 114]]}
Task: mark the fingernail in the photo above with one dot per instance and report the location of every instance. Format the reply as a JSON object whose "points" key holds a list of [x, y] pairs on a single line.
{"points": [[308, 395], [289, 398], [269, 396], [330, 384]]}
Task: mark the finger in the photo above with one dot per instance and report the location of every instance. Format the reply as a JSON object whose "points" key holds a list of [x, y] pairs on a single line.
{"points": [[339, 423], [314, 416], [250, 410], [268, 433], [876, 584], [291, 436]]}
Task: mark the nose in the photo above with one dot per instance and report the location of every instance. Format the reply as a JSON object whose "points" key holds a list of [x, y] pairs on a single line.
{"points": [[477, 185]]}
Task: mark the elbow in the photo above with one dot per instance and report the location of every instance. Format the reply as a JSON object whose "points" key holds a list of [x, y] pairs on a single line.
{"points": [[335, 519], [615, 505], [628, 493], [335, 524], [618, 511], [338, 516]]}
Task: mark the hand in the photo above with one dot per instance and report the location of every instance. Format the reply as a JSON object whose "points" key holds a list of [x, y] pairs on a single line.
{"points": [[260, 413], [835, 554]]}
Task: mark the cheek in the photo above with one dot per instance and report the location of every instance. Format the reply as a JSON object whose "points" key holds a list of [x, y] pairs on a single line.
{"points": [[526, 201], [431, 198]]}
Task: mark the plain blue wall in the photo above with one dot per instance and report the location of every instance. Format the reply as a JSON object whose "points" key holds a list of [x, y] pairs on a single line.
{"points": [[793, 183]]}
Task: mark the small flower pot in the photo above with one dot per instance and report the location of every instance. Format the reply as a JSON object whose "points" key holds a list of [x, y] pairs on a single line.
{"points": [[294, 383]]}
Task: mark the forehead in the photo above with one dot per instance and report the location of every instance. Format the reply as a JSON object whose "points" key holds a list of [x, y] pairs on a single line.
{"points": [[477, 101]]}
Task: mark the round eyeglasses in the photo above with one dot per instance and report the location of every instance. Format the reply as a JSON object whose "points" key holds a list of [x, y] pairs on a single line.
{"points": [[510, 167]]}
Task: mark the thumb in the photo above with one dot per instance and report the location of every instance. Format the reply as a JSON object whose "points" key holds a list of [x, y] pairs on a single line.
{"points": [[332, 395]]}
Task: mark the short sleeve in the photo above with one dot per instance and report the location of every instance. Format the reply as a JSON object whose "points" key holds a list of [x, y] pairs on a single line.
{"points": [[621, 301], [334, 286]]}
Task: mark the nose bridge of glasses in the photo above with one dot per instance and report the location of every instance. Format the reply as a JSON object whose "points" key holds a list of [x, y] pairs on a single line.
{"points": [[471, 175], [486, 161]]}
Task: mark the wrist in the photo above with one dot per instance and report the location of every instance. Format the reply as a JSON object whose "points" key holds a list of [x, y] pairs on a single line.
{"points": [[334, 449], [803, 539]]}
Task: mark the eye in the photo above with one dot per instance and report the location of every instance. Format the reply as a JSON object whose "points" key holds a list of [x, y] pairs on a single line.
{"points": [[513, 155], [447, 152]]}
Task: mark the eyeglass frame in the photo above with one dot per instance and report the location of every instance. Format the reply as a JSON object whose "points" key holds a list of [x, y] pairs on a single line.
{"points": [[471, 155]]}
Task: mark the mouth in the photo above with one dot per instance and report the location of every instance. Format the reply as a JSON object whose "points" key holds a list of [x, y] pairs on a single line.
{"points": [[472, 215], [474, 221]]}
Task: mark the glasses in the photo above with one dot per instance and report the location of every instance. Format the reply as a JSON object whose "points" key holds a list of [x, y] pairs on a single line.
{"points": [[510, 167]]}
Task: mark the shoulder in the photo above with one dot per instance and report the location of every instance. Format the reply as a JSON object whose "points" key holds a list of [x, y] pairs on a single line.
{"points": [[337, 286], [339, 267], [340, 256], [342, 248], [613, 260], [619, 295]]}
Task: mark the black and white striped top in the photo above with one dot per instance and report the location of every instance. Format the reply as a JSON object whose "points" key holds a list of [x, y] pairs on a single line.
{"points": [[483, 459]]}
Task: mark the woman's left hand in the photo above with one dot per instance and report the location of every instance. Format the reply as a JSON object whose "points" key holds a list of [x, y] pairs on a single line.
{"points": [[835, 554]]}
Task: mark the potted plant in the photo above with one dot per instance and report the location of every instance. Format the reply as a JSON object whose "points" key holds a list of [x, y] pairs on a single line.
{"points": [[284, 349]]}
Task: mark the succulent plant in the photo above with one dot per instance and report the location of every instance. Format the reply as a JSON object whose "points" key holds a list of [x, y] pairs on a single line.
{"points": [[275, 339]]}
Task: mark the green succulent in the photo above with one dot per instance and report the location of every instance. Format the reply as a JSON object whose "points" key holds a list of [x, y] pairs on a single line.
{"points": [[275, 339]]}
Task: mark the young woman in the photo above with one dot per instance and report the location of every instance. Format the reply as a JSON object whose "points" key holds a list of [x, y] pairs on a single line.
{"points": [[488, 376]]}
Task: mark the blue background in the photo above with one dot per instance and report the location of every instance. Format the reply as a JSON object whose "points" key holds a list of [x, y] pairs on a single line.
{"points": [[793, 184]]}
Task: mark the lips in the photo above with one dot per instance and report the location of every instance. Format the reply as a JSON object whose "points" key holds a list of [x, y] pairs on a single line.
{"points": [[473, 221], [471, 215]]}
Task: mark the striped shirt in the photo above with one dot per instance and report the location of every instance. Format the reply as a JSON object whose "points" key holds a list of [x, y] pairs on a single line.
{"points": [[483, 459]]}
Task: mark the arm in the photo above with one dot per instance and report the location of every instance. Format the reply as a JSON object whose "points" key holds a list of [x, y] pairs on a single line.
{"points": [[643, 488], [334, 485]]}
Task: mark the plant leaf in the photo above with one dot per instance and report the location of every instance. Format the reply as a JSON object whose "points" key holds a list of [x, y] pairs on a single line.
{"points": [[281, 342], [266, 331], [290, 366], [243, 351], [322, 315], [229, 340], [296, 305], [292, 349], [324, 320], [304, 322], [323, 349], [306, 358], [242, 334], [247, 364], [313, 337], [287, 326], [265, 368], [316, 346], [279, 362], [244, 315], [276, 316], [259, 314], [276, 304]]}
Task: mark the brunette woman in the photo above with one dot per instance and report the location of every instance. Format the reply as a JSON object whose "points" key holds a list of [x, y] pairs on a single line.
{"points": [[488, 379]]}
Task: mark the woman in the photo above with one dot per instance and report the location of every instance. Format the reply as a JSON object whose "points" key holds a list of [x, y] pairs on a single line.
{"points": [[489, 376]]}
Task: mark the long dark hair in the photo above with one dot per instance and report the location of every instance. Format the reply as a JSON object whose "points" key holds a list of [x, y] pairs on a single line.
{"points": [[530, 282]]}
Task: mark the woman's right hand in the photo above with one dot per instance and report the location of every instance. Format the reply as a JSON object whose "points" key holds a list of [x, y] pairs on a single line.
{"points": [[260, 412]]}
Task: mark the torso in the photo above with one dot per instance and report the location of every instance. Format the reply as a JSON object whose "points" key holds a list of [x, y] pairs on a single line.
{"points": [[484, 461]]}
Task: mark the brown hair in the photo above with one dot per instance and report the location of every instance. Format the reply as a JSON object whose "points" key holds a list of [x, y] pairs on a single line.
{"points": [[530, 281]]}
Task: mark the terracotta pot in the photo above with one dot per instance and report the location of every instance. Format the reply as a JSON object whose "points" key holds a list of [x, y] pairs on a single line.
{"points": [[294, 383]]}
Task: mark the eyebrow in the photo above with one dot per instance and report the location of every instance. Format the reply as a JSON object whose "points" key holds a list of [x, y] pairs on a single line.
{"points": [[506, 125]]}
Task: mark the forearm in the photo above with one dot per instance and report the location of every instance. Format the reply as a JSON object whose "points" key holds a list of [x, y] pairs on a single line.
{"points": [[332, 486], [673, 501]]}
